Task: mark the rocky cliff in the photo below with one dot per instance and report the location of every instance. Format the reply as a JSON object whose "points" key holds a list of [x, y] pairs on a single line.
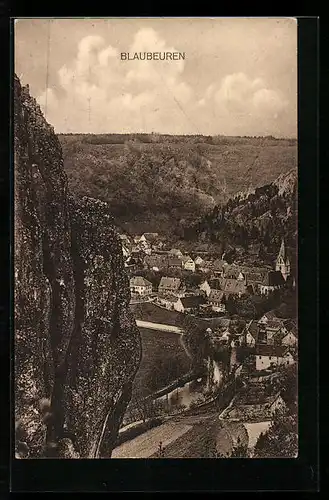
{"points": [[77, 348], [262, 217]]}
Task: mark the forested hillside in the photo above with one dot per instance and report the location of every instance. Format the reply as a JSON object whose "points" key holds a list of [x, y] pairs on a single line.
{"points": [[161, 183]]}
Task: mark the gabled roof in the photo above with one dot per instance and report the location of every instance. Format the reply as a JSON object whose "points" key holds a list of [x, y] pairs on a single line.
{"points": [[139, 281], [252, 328], [198, 258], [151, 237], [270, 315], [282, 252], [174, 262], [274, 324], [173, 283], [291, 326], [186, 258], [234, 286]]}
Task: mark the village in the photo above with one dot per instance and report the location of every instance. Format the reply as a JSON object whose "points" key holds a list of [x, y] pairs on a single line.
{"points": [[168, 286], [207, 295]]}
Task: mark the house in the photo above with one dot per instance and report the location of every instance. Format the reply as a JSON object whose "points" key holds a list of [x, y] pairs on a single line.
{"points": [[288, 334], [266, 356], [290, 339], [254, 407], [274, 332], [140, 286], [282, 263], [250, 333], [254, 278], [151, 238], [174, 263], [205, 287], [188, 264], [273, 281], [217, 299], [269, 316], [198, 260], [166, 300], [169, 285], [187, 304], [233, 287]]}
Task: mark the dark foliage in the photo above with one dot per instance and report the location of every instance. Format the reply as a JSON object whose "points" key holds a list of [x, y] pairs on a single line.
{"points": [[263, 217], [281, 439]]}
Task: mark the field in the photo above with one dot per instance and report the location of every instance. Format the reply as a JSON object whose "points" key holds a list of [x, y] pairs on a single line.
{"points": [[155, 343]]}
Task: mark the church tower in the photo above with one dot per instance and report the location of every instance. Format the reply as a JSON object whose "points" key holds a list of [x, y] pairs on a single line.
{"points": [[282, 263]]}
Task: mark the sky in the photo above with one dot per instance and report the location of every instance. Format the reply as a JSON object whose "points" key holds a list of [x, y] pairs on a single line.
{"points": [[239, 76]]}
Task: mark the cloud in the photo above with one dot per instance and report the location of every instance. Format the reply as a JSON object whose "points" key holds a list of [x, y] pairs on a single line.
{"points": [[244, 105], [99, 93], [240, 94], [106, 94]]}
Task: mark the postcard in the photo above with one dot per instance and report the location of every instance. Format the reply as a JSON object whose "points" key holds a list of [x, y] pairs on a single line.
{"points": [[155, 228]]}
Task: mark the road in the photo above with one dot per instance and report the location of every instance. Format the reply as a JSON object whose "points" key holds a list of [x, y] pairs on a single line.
{"points": [[146, 444], [159, 326]]}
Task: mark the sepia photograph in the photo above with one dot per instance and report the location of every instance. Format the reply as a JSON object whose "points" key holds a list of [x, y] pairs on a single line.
{"points": [[155, 221]]}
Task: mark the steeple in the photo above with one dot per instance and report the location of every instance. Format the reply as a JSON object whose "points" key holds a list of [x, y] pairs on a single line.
{"points": [[282, 261], [282, 251]]}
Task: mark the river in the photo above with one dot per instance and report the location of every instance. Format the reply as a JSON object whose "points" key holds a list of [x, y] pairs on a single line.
{"points": [[193, 390]]}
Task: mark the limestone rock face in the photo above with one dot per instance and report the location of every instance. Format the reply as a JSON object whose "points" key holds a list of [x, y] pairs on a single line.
{"points": [[77, 349]]}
